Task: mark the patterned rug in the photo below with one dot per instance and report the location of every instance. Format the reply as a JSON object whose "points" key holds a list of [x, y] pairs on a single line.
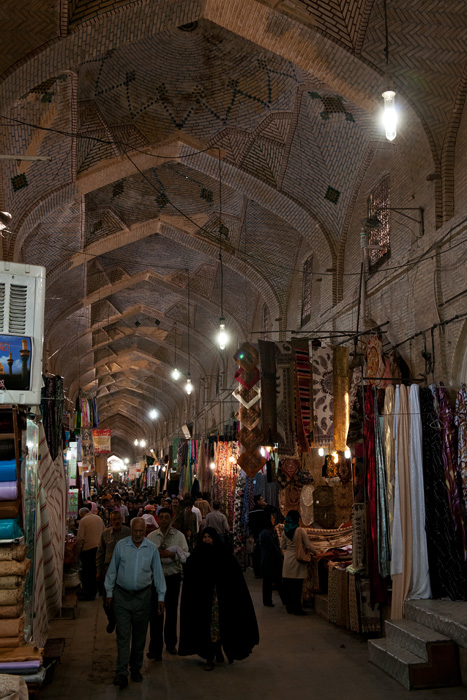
{"points": [[323, 396], [285, 398]]}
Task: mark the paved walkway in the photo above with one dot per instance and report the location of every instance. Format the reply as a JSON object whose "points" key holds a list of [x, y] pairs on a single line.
{"points": [[298, 658]]}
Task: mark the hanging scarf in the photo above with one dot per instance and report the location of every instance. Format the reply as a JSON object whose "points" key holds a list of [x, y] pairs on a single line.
{"points": [[290, 526]]}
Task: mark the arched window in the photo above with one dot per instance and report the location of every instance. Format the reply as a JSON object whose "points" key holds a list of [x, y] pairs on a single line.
{"points": [[307, 289], [378, 205]]}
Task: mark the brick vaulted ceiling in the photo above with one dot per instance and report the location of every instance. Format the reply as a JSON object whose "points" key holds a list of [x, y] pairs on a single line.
{"points": [[158, 114]]}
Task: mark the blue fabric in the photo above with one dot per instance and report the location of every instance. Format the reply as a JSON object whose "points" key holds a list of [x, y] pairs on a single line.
{"points": [[9, 529], [134, 568], [8, 470]]}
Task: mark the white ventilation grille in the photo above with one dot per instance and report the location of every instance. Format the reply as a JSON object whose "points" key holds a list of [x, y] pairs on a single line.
{"points": [[18, 308]]}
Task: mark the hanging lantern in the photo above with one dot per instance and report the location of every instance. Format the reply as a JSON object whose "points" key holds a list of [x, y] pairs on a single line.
{"points": [[390, 115]]}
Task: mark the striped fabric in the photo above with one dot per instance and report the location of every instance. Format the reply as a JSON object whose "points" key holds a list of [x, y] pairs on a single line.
{"points": [[50, 539]]}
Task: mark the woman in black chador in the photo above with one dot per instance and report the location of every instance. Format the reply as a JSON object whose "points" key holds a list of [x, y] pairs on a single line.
{"points": [[216, 609]]}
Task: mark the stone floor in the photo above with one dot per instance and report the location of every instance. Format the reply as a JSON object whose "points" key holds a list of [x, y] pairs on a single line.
{"points": [[297, 658]]}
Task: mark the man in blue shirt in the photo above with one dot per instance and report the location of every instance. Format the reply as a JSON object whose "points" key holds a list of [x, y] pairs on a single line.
{"points": [[134, 568]]}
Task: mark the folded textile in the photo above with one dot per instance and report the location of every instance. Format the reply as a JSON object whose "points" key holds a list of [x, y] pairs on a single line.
{"points": [[8, 470], [11, 596], [12, 628], [22, 668], [14, 568], [9, 582], [26, 652], [7, 450], [13, 687], [9, 529], [11, 552], [11, 642], [8, 611], [10, 509], [8, 490]]}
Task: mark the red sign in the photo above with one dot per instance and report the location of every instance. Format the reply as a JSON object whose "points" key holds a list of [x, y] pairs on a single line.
{"points": [[101, 441]]}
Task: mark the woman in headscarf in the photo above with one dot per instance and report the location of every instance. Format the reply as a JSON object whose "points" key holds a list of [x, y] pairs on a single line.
{"points": [[216, 610], [293, 571], [271, 558]]}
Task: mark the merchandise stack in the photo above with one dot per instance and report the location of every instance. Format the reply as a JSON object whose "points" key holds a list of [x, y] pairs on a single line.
{"points": [[13, 570]]}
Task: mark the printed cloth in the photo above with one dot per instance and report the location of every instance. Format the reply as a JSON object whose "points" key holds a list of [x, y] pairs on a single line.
{"points": [[323, 396], [460, 419], [285, 398], [303, 394]]}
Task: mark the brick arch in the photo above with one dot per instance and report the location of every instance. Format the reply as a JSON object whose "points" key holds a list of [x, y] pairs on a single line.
{"points": [[448, 155]]}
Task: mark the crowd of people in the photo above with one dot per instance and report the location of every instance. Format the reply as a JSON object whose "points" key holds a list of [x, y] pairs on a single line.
{"points": [[140, 551]]}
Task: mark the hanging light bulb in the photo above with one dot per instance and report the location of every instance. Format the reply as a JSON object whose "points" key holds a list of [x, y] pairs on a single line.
{"points": [[153, 413], [126, 460], [231, 459], [222, 336], [347, 453], [188, 385], [390, 115], [136, 442], [335, 457], [142, 443], [212, 465], [321, 452], [175, 374]]}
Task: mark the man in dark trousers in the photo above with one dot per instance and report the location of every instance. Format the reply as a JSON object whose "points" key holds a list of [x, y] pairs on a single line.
{"points": [[88, 537], [134, 569], [109, 538], [255, 525], [167, 536]]}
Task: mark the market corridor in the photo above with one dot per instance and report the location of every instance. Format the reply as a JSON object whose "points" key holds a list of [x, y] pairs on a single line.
{"points": [[297, 658]]}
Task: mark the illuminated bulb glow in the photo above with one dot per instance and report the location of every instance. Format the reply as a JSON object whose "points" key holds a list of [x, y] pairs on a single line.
{"points": [[188, 386], [175, 374], [347, 454], [390, 115], [263, 452], [136, 442], [153, 414], [142, 443], [321, 452], [232, 459], [222, 336], [126, 460], [212, 465], [335, 457]]}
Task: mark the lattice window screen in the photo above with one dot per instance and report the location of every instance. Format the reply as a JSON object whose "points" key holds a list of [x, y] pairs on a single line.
{"points": [[307, 289], [378, 205]]}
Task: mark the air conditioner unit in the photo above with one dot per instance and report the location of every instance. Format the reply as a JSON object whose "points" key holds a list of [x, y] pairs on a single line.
{"points": [[22, 299]]}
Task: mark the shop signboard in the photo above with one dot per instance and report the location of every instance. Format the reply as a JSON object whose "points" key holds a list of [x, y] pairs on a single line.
{"points": [[101, 441]]}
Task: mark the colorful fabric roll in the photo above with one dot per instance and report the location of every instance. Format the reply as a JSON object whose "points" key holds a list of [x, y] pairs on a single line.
{"points": [[10, 509], [8, 470], [8, 490], [12, 628], [303, 394], [11, 642], [11, 596], [15, 568], [21, 668], [9, 611], [9, 529], [9, 552]]}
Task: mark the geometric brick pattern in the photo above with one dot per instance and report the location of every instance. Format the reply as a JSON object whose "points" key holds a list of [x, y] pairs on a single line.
{"points": [[297, 152]]}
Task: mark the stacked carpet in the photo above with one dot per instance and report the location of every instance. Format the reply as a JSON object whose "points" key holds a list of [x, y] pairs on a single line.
{"points": [[14, 568]]}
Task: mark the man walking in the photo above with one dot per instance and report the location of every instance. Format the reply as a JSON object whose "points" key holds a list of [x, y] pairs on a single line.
{"points": [[88, 537], [134, 568], [166, 539], [218, 521], [109, 538], [255, 524]]}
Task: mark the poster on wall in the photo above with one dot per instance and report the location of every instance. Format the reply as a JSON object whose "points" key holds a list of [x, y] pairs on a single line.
{"points": [[87, 449], [101, 441], [72, 503], [72, 463]]}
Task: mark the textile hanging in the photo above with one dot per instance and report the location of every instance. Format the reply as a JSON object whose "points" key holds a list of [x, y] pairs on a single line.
{"points": [[341, 390], [378, 589], [420, 585], [285, 398], [448, 434], [384, 551], [267, 354], [303, 394], [378, 370], [50, 539], [388, 427], [359, 536], [323, 396], [87, 449], [401, 561], [307, 505], [444, 555], [250, 459], [461, 422]]}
